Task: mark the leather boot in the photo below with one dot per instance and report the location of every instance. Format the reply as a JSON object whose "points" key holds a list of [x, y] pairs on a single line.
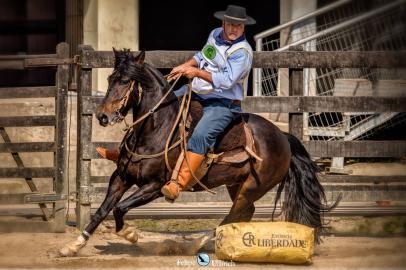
{"points": [[110, 154], [185, 179]]}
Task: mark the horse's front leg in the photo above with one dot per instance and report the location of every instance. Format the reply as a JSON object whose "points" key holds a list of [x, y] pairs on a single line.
{"points": [[143, 195], [117, 188]]}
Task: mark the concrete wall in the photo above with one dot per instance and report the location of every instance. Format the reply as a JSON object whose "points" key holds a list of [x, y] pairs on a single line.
{"points": [[110, 24]]}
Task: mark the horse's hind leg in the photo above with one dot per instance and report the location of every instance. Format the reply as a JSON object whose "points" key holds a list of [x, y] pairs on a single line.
{"points": [[244, 196], [116, 190], [250, 209], [233, 190], [242, 209]]}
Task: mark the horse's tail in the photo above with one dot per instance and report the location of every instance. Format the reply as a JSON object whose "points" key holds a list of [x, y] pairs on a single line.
{"points": [[305, 201]]}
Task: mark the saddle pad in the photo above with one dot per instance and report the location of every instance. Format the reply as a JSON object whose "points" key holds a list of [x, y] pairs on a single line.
{"points": [[233, 137]]}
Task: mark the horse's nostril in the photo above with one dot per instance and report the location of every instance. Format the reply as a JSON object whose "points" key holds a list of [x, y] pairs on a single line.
{"points": [[103, 119]]}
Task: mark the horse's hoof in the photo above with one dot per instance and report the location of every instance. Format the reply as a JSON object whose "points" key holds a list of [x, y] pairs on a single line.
{"points": [[128, 233], [67, 252], [169, 200], [132, 237], [72, 248]]}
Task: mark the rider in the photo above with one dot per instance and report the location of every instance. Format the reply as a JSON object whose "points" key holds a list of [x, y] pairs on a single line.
{"points": [[219, 74]]}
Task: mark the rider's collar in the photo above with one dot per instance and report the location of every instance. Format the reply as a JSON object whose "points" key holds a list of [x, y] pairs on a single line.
{"points": [[221, 41]]}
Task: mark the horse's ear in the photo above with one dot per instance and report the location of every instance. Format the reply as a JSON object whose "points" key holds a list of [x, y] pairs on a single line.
{"points": [[115, 51], [139, 59]]}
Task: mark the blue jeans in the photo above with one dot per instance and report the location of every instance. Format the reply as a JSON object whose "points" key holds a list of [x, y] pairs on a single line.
{"points": [[217, 115]]}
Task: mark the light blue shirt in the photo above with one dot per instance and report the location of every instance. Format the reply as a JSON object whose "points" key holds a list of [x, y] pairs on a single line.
{"points": [[225, 81]]}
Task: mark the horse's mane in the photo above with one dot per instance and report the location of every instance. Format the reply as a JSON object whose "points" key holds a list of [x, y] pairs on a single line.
{"points": [[126, 64]]}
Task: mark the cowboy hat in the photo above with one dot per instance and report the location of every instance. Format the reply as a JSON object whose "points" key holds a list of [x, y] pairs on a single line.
{"points": [[234, 14]]}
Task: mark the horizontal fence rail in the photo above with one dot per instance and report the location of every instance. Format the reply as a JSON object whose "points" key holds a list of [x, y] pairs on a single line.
{"points": [[315, 148], [300, 104], [28, 121], [269, 59], [27, 147], [25, 172], [27, 92], [17, 62]]}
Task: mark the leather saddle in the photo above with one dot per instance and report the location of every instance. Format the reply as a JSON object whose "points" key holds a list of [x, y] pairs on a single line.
{"points": [[235, 145]]}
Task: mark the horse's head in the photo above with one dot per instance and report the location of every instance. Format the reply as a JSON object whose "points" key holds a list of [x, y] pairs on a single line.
{"points": [[123, 88]]}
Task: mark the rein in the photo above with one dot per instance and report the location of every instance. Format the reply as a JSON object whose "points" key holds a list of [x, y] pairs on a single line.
{"points": [[183, 112], [129, 127]]}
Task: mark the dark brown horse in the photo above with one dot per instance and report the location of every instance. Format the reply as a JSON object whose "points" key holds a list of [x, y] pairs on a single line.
{"points": [[285, 160]]}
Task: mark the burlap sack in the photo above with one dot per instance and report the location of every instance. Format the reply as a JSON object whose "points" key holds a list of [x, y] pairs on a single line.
{"points": [[279, 242]]}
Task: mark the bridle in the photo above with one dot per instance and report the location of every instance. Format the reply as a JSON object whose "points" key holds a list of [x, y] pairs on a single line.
{"points": [[124, 99]]}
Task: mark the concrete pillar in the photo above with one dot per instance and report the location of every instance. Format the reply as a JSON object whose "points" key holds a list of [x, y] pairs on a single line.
{"points": [[110, 24]]}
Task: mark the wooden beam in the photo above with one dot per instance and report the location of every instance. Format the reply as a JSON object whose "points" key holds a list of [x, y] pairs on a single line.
{"points": [[42, 172], [159, 59], [47, 62], [330, 59], [17, 62], [299, 104], [27, 147], [61, 132], [315, 148], [323, 104], [27, 56], [300, 59], [27, 92], [356, 148], [27, 121], [84, 137]]}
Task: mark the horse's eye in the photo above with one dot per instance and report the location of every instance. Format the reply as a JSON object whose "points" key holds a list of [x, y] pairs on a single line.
{"points": [[124, 82]]}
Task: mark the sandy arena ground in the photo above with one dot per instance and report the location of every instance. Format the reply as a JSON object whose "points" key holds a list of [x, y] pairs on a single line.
{"points": [[176, 251]]}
